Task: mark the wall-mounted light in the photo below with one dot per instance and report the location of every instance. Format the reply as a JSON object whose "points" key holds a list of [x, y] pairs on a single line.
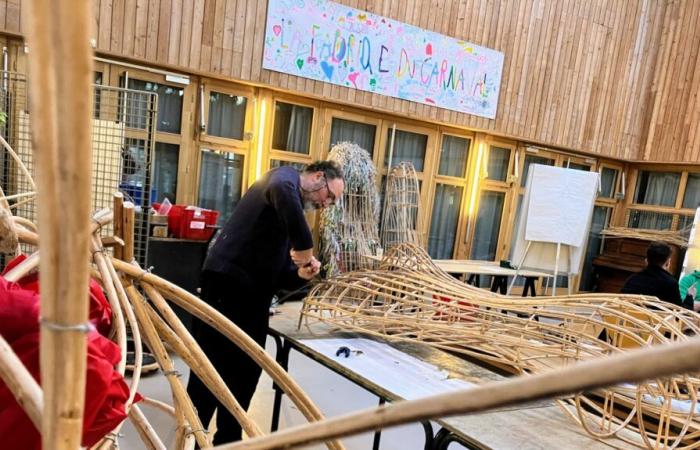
{"points": [[261, 131]]}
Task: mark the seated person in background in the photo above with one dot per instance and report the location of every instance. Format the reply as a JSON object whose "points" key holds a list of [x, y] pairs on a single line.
{"points": [[689, 287], [654, 279]]}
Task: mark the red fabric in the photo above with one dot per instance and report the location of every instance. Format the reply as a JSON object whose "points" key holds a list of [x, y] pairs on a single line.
{"points": [[105, 392]]}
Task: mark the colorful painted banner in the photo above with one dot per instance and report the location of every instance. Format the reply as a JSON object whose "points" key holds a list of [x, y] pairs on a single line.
{"points": [[337, 44]]}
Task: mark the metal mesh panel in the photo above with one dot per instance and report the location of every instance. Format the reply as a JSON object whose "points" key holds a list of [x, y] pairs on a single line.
{"points": [[123, 130]]}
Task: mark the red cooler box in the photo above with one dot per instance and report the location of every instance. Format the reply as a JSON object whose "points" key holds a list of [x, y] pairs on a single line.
{"points": [[191, 222]]}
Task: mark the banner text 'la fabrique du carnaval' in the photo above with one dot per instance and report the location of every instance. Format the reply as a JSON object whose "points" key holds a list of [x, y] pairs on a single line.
{"points": [[337, 44]]}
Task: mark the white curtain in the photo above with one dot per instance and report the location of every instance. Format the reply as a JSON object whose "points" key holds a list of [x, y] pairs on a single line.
{"points": [[443, 224], [408, 147], [691, 199], [498, 163], [488, 225], [358, 133], [657, 188], [226, 115], [453, 156]]}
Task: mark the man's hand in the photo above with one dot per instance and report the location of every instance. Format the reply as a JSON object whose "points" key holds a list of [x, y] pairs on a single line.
{"points": [[692, 290], [302, 257], [310, 270]]}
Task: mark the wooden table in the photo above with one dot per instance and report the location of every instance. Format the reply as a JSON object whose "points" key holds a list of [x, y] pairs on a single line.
{"points": [[539, 425], [475, 268]]}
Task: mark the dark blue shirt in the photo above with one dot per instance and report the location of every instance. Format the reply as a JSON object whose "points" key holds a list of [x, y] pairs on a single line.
{"points": [[254, 244], [655, 281]]}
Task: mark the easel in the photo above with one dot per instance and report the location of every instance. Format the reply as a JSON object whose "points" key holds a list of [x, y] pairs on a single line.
{"points": [[556, 268]]}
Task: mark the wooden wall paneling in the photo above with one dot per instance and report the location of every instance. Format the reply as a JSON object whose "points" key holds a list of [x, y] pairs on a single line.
{"points": [[692, 119], [207, 35], [105, 23], [173, 54], [127, 38], [544, 63], [117, 26], [94, 7], [141, 29], [3, 12], [163, 34], [659, 80], [13, 15], [196, 40], [152, 30], [690, 56], [517, 66], [186, 28], [227, 44], [217, 45], [258, 41], [238, 34], [532, 68]]}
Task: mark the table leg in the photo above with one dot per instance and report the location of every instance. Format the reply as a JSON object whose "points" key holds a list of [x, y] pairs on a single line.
{"points": [[378, 433], [529, 287], [445, 437], [429, 441], [282, 358]]}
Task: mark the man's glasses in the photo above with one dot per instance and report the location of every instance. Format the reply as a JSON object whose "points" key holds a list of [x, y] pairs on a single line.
{"points": [[331, 195]]}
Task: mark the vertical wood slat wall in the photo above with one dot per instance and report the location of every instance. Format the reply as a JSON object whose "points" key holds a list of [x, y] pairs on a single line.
{"points": [[616, 78]]}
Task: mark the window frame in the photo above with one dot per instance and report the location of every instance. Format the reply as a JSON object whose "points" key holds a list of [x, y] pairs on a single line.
{"points": [[209, 86]]}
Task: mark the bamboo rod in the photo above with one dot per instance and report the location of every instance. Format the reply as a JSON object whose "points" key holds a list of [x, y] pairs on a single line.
{"points": [[166, 364], [200, 364], [632, 366], [21, 383], [118, 208], [157, 404], [145, 430], [19, 163], [128, 230], [61, 107], [215, 319]]}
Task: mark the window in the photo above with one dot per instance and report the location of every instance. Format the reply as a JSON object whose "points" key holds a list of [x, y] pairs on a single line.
{"points": [[578, 166], [292, 128], [530, 160], [488, 225], [498, 163], [608, 182], [443, 224], [691, 199], [362, 134], [169, 105], [165, 171], [226, 115], [657, 188], [135, 176], [600, 221], [275, 163], [220, 182], [649, 220], [408, 147], [453, 156]]}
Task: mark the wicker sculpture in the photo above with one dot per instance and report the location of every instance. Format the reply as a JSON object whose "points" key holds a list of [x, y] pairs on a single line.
{"points": [[401, 221], [670, 237], [349, 229], [139, 298], [409, 298]]}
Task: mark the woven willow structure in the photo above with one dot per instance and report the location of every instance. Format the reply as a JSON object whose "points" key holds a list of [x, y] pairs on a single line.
{"points": [[349, 229], [141, 300], [411, 299], [670, 237], [401, 219]]}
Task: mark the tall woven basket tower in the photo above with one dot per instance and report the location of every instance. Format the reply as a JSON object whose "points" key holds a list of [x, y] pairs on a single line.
{"points": [[401, 221], [350, 229]]}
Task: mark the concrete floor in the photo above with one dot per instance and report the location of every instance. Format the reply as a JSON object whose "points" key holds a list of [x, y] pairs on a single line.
{"points": [[333, 394]]}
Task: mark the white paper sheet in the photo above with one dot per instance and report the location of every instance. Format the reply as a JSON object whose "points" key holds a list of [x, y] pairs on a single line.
{"points": [[560, 204], [561, 212], [403, 375]]}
